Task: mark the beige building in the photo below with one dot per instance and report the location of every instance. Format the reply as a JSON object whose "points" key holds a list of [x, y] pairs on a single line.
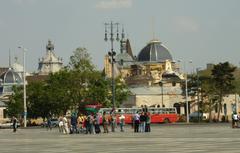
{"points": [[153, 78]]}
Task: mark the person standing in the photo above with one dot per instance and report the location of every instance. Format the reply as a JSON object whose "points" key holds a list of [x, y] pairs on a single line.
{"points": [[74, 123], [136, 122], [148, 122], [122, 122], [142, 122], [14, 121], [60, 124], [49, 124], [234, 119], [96, 123], [113, 121], [105, 122], [65, 125]]}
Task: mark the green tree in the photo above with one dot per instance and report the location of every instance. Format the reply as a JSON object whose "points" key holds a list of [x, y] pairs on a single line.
{"points": [[223, 78], [15, 105], [38, 104]]}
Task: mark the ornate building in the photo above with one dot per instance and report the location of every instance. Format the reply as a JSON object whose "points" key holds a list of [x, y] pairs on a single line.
{"points": [[50, 63], [152, 76]]}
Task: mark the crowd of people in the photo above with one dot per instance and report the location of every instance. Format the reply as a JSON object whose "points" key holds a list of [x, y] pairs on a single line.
{"points": [[90, 123]]}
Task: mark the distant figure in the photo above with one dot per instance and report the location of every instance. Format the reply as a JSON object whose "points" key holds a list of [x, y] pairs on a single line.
{"points": [[49, 123], [60, 124], [65, 125], [14, 121], [142, 122], [122, 122], [136, 122], [97, 123], [74, 124], [113, 121], [234, 119], [148, 122], [105, 122], [89, 124]]}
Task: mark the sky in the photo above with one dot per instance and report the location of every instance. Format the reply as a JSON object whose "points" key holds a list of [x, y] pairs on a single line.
{"points": [[201, 31]]}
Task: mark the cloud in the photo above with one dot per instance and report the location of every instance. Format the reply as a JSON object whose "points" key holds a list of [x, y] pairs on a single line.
{"points": [[114, 4], [186, 24]]}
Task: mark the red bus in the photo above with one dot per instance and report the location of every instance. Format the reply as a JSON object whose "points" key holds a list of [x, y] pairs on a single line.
{"points": [[158, 115]]}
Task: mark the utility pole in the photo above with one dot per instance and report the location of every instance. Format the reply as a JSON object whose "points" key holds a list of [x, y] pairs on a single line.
{"points": [[112, 53], [24, 87]]}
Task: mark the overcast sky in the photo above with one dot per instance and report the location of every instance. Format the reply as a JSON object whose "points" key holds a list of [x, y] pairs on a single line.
{"points": [[204, 31]]}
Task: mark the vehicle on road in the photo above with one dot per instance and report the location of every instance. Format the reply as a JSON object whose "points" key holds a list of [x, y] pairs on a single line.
{"points": [[195, 116], [8, 124], [54, 123], [158, 115]]}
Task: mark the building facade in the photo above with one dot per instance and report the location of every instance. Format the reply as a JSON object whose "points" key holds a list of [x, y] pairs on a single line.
{"points": [[50, 63], [154, 79]]}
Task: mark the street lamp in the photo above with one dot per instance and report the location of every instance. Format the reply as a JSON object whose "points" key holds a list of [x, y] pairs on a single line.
{"points": [[198, 89], [112, 53], [24, 87], [186, 89], [161, 85]]}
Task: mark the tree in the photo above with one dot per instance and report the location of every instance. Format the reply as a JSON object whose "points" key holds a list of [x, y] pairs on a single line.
{"points": [[15, 105], [223, 78], [208, 92], [122, 91], [81, 60], [38, 101]]}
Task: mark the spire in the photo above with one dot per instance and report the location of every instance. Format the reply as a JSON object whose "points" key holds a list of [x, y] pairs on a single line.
{"points": [[129, 49], [122, 42], [9, 59]]}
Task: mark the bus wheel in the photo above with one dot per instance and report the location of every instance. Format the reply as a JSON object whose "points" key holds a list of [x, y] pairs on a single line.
{"points": [[166, 120]]}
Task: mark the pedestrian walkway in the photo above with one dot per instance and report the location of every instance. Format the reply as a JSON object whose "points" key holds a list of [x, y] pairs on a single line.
{"points": [[214, 138]]}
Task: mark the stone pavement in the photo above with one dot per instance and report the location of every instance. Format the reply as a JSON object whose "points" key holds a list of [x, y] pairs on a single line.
{"points": [[177, 138]]}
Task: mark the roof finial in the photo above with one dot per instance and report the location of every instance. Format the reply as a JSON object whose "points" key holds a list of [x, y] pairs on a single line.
{"points": [[9, 58], [153, 28]]}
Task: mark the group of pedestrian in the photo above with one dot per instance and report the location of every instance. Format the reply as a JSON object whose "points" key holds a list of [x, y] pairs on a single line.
{"points": [[141, 122], [88, 124], [112, 121]]}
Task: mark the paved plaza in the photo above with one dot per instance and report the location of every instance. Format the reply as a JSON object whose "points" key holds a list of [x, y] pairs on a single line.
{"points": [[178, 138]]}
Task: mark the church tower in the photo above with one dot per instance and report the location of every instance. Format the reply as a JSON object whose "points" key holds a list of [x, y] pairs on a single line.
{"points": [[50, 63]]}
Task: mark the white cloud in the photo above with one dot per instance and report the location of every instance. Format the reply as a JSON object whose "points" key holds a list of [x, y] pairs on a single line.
{"points": [[114, 4], [186, 24]]}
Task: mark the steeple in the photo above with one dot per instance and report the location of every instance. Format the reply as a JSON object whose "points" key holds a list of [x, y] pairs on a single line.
{"points": [[123, 42], [9, 59]]}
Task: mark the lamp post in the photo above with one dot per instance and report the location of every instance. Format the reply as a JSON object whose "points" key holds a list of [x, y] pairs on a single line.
{"points": [[24, 87], [161, 85], [112, 53], [186, 90], [198, 89]]}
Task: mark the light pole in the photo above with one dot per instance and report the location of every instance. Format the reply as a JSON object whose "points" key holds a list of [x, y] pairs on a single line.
{"points": [[186, 90], [112, 53], [161, 85], [24, 87], [198, 89]]}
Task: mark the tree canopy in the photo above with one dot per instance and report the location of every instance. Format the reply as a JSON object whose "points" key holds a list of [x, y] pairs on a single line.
{"points": [[71, 88]]}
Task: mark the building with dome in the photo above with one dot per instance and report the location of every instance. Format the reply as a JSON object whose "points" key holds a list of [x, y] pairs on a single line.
{"points": [[8, 79], [152, 76], [50, 63]]}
